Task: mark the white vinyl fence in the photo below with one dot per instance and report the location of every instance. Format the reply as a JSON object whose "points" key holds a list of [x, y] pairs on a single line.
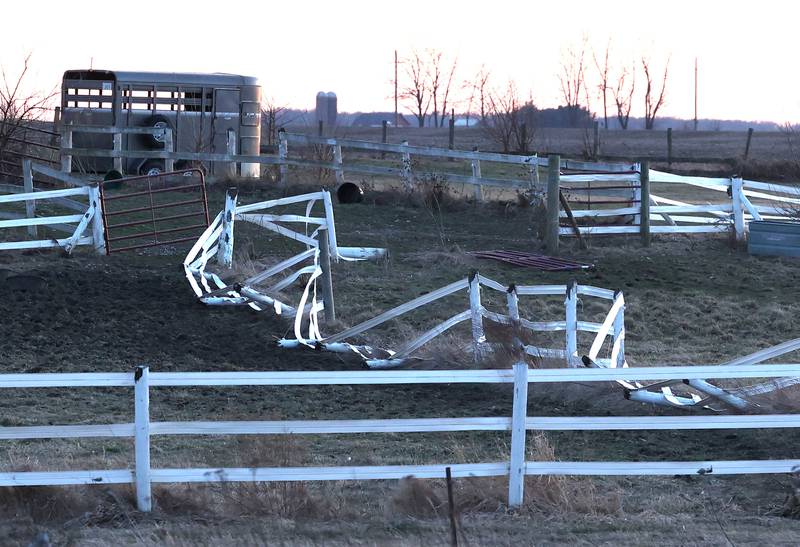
{"points": [[380, 358], [516, 467], [653, 213], [83, 227]]}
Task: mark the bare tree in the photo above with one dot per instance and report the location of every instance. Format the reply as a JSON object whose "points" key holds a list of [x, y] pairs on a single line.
{"points": [[18, 107], [417, 89], [652, 100], [573, 78], [505, 116], [623, 94], [480, 87], [446, 103], [603, 84], [270, 114]]}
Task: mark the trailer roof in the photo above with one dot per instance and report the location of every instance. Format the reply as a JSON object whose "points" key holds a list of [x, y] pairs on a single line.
{"points": [[191, 78]]}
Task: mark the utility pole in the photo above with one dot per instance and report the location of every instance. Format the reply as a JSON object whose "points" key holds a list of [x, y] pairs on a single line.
{"points": [[396, 117], [695, 93]]}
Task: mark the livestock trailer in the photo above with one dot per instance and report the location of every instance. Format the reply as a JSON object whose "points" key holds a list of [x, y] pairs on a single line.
{"points": [[203, 111]]}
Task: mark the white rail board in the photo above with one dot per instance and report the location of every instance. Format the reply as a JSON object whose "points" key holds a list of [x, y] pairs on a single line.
{"points": [[66, 431], [384, 472], [62, 478], [713, 467], [303, 427], [682, 422]]}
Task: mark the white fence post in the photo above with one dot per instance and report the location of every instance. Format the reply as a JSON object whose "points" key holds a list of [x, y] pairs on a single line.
{"points": [[333, 247], [169, 146], [571, 307], [30, 205], [476, 175], [478, 336], [231, 151], [225, 249], [283, 153], [619, 336], [738, 208], [66, 146], [117, 148], [98, 226], [533, 172], [516, 471], [337, 159], [513, 304], [512, 300], [142, 438], [408, 176]]}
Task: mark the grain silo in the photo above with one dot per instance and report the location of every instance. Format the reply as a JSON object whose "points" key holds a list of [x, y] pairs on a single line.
{"points": [[326, 108]]}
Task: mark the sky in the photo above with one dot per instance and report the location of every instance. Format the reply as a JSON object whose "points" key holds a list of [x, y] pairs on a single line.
{"points": [[745, 50]]}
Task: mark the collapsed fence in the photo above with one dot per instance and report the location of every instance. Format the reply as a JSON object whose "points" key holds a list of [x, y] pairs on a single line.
{"points": [[516, 467], [83, 228]]}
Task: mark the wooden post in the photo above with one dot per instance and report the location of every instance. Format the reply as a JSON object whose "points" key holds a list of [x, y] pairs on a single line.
{"points": [[225, 249], [30, 205], [747, 146], [516, 476], [451, 508], [337, 159], [66, 146], [738, 208], [476, 175], [571, 309], [283, 153], [644, 203], [169, 146], [325, 279], [384, 135], [669, 146], [142, 438], [408, 176], [478, 335], [118, 148], [98, 226], [451, 137], [619, 336], [596, 141], [553, 182], [568, 210], [231, 151]]}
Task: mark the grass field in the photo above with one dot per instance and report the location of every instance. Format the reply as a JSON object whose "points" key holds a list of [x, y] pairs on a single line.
{"points": [[772, 154], [689, 300]]}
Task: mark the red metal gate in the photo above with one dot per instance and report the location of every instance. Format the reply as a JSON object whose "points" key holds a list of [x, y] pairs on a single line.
{"points": [[150, 211]]}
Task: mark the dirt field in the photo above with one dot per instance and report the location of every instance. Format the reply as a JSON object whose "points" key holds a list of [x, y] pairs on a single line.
{"points": [[689, 300]]}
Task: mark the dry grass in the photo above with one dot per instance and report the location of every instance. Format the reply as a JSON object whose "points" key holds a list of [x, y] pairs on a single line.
{"points": [[549, 494]]}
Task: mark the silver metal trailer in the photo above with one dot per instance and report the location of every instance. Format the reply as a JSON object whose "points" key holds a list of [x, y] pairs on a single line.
{"points": [[213, 113]]}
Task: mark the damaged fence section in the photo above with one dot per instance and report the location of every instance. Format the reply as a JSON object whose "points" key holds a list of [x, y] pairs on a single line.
{"points": [[75, 214], [261, 291], [476, 312]]}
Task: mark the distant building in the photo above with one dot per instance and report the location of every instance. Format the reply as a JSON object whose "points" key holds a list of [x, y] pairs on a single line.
{"points": [[376, 119]]}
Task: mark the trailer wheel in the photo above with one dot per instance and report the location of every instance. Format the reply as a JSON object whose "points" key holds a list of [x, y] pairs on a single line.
{"points": [[152, 168], [160, 122]]}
